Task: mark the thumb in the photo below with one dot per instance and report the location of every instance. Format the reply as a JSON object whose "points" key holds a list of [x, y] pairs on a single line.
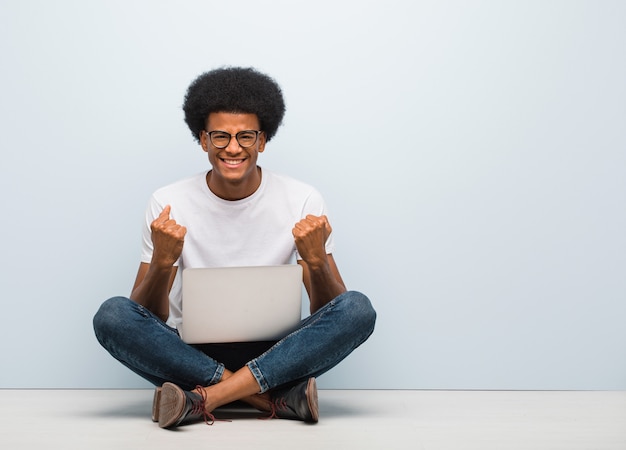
{"points": [[165, 214]]}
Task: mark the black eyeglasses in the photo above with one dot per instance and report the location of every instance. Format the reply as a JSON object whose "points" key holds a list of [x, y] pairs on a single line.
{"points": [[245, 138]]}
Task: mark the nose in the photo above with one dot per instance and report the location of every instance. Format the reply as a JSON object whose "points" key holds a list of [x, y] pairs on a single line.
{"points": [[233, 146]]}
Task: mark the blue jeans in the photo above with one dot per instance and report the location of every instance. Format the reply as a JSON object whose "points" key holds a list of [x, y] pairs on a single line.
{"points": [[146, 345]]}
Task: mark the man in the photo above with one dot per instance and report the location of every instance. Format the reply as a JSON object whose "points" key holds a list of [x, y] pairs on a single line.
{"points": [[235, 214]]}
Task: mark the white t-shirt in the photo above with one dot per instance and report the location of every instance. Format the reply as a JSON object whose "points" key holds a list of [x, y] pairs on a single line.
{"points": [[253, 231]]}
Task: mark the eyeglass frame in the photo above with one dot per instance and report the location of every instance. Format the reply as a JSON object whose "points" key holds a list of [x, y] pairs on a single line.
{"points": [[230, 136]]}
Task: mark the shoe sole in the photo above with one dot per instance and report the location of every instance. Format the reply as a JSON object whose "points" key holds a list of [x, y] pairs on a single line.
{"points": [[171, 405], [311, 398], [156, 401]]}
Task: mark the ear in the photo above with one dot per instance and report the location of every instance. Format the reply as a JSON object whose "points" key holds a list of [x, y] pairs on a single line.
{"points": [[203, 141], [262, 142]]}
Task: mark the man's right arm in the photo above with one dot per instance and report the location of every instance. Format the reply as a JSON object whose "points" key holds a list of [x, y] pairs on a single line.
{"points": [[152, 287], [154, 280]]}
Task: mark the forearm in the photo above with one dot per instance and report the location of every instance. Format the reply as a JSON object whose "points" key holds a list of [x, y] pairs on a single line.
{"points": [[154, 280], [324, 284], [320, 274], [152, 291]]}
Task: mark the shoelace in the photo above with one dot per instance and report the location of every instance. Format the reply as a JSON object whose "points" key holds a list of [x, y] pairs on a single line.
{"points": [[275, 406], [197, 407]]}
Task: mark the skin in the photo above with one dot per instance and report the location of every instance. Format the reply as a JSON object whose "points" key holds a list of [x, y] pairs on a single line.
{"points": [[235, 175]]}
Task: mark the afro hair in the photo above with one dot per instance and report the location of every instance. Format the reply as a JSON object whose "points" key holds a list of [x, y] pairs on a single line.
{"points": [[234, 90]]}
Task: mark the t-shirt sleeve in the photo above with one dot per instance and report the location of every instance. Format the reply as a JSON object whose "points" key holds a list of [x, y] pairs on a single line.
{"points": [[146, 234]]}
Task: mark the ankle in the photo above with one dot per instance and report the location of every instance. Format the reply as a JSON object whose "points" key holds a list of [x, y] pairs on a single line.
{"points": [[204, 393], [262, 402]]}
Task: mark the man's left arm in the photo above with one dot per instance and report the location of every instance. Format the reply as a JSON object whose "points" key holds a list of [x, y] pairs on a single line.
{"points": [[320, 273]]}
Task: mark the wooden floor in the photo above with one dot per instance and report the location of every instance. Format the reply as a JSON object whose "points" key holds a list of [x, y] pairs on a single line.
{"points": [[353, 419]]}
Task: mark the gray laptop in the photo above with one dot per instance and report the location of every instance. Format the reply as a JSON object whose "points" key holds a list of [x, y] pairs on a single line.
{"points": [[240, 304]]}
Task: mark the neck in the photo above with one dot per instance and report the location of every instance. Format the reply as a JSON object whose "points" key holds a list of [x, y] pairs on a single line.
{"points": [[233, 190]]}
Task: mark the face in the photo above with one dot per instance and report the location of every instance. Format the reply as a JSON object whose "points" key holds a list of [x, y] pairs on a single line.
{"points": [[235, 174]]}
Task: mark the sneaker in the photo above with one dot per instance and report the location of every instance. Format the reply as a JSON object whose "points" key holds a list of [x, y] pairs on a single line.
{"points": [[298, 402]]}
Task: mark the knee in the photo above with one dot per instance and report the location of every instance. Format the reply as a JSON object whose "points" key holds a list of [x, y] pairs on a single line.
{"points": [[109, 316], [360, 311]]}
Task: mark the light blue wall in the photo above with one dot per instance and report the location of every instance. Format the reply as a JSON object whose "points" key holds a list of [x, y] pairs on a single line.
{"points": [[472, 153]]}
